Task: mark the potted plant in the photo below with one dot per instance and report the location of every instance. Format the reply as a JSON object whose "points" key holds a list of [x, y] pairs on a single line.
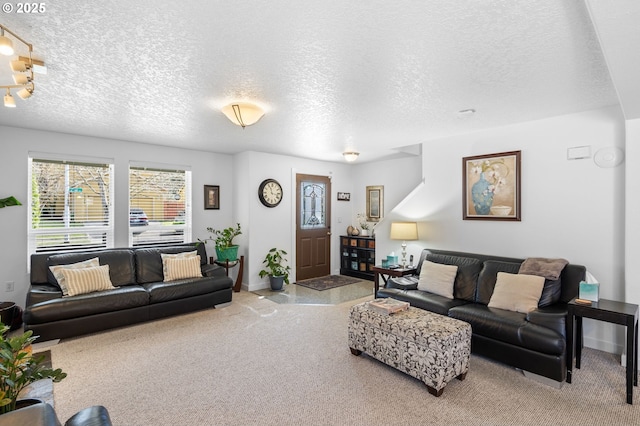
{"points": [[19, 368], [362, 219], [275, 268], [225, 249]]}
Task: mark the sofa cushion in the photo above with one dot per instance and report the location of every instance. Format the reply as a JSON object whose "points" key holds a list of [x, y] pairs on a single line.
{"points": [[125, 297], [422, 299], [437, 278], [464, 286], [87, 280], [167, 256], [56, 270], [149, 261], [182, 267], [121, 264], [488, 275], [517, 292], [509, 327], [180, 289]]}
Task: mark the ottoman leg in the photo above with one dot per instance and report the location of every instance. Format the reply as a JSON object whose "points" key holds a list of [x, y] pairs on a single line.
{"points": [[355, 352], [434, 392], [462, 376]]}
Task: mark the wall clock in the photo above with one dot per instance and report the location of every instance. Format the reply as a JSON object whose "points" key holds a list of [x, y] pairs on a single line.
{"points": [[270, 192]]}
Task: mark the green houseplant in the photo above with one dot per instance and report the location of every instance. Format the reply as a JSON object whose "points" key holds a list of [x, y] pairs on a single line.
{"points": [[19, 368], [276, 268], [223, 238]]}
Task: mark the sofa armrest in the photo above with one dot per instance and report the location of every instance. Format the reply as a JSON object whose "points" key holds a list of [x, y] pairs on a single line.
{"points": [[409, 282], [553, 317], [41, 414], [213, 270]]}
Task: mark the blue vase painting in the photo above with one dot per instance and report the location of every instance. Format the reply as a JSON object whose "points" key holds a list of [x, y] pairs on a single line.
{"points": [[482, 196]]}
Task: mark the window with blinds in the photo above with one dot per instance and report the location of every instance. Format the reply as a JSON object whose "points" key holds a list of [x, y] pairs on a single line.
{"points": [[70, 205], [159, 206]]}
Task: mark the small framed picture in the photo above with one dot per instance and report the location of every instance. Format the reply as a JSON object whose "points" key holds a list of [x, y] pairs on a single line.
{"points": [[375, 196], [212, 197], [344, 196]]}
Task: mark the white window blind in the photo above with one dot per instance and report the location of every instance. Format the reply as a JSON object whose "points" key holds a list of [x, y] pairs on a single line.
{"points": [[159, 206], [70, 204]]}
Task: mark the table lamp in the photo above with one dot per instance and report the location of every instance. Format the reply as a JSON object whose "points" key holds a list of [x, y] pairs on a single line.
{"points": [[405, 231]]}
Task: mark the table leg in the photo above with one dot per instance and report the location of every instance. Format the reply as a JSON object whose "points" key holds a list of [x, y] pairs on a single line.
{"points": [[635, 357], [631, 368], [238, 284], [578, 341], [570, 344], [376, 283]]}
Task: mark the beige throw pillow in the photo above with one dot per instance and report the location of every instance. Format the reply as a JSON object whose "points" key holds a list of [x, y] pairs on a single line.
{"points": [[183, 267], [517, 292], [87, 280], [166, 256], [437, 278], [56, 270]]}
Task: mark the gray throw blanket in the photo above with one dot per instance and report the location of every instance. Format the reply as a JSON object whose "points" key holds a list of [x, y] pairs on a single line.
{"points": [[543, 267]]}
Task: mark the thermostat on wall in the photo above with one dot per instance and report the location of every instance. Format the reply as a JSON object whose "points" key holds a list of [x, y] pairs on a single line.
{"points": [[578, 152]]}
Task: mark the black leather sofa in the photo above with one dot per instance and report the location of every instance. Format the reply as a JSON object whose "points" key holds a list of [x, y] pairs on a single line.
{"points": [[534, 341], [43, 414], [140, 293]]}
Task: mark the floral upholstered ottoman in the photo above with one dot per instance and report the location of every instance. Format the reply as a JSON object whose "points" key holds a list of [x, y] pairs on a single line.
{"points": [[430, 347]]}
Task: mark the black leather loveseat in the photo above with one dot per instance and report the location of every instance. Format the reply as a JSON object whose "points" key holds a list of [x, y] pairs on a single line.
{"points": [[140, 294], [533, 341]]}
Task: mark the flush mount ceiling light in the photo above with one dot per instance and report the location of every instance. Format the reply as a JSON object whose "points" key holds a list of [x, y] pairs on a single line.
{"points": [[243, 113], [23, 82], [350, 156]]}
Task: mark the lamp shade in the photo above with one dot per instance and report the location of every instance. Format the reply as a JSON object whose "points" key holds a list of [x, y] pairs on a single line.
{"points": [[243, 113], [6, 45], [404, 231]]}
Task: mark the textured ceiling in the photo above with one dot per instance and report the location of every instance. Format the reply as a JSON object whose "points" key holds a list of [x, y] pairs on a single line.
{"points": [[332, 75]]}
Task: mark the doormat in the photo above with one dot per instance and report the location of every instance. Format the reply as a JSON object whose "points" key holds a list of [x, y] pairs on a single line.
{"points": [[327, 282]]}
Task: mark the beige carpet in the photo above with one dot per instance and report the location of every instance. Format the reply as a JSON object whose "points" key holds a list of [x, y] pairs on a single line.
{"points": [[256, 362]]}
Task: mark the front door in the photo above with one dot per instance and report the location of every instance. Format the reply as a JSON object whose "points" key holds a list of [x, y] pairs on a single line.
{"points": [[313, 226]]}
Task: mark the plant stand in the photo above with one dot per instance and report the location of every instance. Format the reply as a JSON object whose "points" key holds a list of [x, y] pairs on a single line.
{"points": [[226, 264]]}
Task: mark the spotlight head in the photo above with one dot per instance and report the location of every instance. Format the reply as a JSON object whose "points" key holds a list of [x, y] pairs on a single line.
{"points": [[9, 102], [6, 45], [19, 66], [25, 93], [21, 79]]}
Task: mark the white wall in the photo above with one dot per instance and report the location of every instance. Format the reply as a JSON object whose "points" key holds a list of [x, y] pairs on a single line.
{"points": [[632, 207], [570, 208], [15, 145], [275, 227]]}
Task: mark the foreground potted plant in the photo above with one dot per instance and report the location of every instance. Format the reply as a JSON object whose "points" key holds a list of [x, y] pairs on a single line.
{"points": [[19, 368], [276, 269], [225, 249]]}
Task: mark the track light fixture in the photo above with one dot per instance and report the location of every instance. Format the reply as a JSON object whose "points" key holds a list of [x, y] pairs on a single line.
{"points": [[243, 113], [23, 82]]}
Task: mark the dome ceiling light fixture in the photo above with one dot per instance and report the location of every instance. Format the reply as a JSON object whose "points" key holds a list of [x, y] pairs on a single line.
{"points": [[23, 83], [243, 113], [350, 156]]}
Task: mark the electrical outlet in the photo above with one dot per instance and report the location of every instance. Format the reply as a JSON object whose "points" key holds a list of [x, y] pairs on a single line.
{"points": [[10, 285]]}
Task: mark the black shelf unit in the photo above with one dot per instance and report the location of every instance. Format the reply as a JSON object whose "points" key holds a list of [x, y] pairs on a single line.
{"points": [[357, 256]]}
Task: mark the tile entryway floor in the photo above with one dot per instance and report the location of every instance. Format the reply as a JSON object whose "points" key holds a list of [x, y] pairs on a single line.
{"points": [[295, 294]]}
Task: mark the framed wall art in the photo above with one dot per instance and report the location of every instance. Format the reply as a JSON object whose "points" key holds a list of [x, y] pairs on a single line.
{"points": [[344, 196], [375, 207], [491, 187], [211, 197]]}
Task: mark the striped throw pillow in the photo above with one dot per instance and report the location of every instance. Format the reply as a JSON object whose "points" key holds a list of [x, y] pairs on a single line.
{"points": [[87, 280], [183, 267], [166, 256], [56, 270]]}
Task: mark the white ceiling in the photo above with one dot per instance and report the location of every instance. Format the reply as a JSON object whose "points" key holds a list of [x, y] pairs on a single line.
{"points": [[333, 75]]}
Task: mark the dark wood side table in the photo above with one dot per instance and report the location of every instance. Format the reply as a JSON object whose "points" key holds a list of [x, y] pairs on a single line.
{"points": [[230, 264], [386, 273], [610, 311]]}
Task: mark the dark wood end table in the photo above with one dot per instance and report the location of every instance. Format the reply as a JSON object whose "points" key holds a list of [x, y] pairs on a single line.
{"points": [[387, 273], [230, 264], [610, 311]]}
